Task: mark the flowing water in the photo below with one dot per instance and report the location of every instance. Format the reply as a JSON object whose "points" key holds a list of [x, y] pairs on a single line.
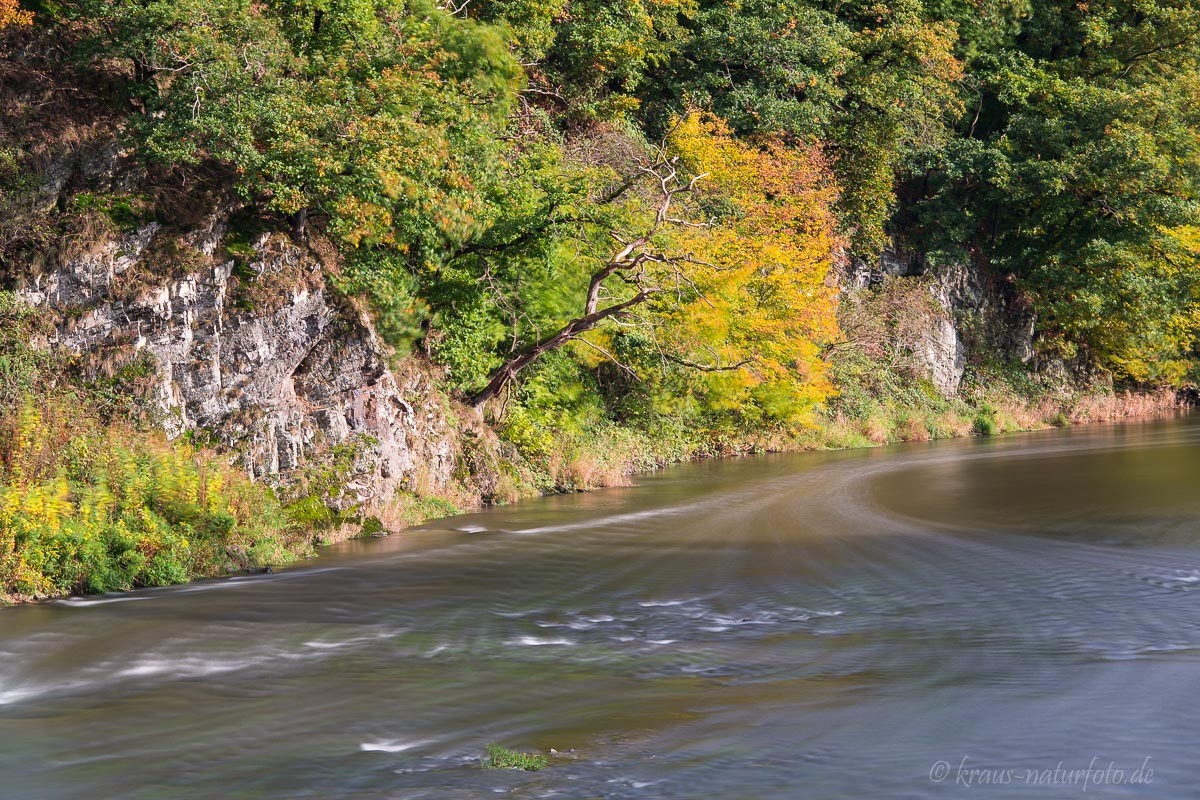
{"points": [[1020, 614]]}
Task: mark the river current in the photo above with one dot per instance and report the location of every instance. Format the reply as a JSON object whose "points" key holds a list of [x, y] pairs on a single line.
{"points": [[1006, 617]]}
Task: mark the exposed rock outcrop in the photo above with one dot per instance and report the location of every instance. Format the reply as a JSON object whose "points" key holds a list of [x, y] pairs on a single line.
{"points": [[981, 314], [259, 353]]}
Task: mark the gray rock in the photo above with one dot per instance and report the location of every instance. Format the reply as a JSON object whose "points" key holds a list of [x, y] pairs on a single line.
{"points": [[277, 367], [982, 314]]}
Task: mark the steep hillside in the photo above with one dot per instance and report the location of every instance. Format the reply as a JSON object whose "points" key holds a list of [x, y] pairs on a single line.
{"points": [[371, 262]]}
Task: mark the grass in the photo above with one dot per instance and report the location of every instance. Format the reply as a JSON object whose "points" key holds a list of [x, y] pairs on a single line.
{"points": [[503, 758]]}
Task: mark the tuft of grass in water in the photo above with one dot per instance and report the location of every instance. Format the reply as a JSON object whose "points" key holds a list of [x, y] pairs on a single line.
{"points": [[503, 758]]}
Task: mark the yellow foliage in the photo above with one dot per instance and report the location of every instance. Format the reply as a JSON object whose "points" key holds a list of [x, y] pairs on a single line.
{"points": [[12, 15], [86, 506], [764, 294], [364, 222], [1147, 348]]}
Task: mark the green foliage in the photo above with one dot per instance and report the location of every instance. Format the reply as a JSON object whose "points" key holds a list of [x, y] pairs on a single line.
{"points": [[86, 507], [23, 369], [1052, 141], [323, 479], [469, 330], [872, 81], [126, 212], [1075, 171], [372, 526], [311, 512], [532, 23], [557, 399], [11, 169], [123, 394], [241, 250], [385, 279], [503, 758], [412, 97], [408, 508], [985, 423]]}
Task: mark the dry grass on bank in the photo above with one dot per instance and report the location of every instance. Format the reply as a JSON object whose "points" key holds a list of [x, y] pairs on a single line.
{"points": [[1122, 405]]}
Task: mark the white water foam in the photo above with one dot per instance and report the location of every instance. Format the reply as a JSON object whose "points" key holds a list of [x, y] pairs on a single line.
{"points": [[82, 602], [605, 522], [390, 745], [537, 641], [665, 603]]}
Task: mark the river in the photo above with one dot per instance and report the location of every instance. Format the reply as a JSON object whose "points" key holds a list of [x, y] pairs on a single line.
{"points": [[1008, 617]]}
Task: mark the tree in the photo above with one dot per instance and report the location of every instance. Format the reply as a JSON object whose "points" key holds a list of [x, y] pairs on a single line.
{"points": [[869, 82], [720, 269], [1076, 167], [381, 115], [638, 267], [901, 97], [764, 302], [12, 15]]}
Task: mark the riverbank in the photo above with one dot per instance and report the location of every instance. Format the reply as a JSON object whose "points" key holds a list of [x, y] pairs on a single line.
{"points": [[95, 498], [92, 509], [612, 456], [754, 624]]}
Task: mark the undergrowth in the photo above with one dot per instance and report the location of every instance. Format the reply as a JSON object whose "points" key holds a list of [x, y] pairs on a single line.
{"points": [[93, 507]]}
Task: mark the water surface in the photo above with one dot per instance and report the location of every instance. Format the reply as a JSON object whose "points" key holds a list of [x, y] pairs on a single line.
{"points": [[898, 622]]}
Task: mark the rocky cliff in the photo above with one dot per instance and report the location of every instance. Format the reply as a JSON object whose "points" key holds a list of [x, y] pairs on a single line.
{"points": [[978, 315], [258, 353]]}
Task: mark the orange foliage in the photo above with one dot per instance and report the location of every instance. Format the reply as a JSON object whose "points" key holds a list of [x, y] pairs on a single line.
{"points": [[766, 297], [12, 15]]}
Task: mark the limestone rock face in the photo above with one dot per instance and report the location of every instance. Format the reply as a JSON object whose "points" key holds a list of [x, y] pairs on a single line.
{"points": [[982, 314], [258, 353]]}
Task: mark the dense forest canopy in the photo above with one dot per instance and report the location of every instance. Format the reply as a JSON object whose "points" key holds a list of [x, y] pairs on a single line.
{"points": [[647, 200]]}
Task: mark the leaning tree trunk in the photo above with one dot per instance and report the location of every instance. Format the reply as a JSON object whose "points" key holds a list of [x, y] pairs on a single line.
{"points": [[630, 260], [511, 368]]}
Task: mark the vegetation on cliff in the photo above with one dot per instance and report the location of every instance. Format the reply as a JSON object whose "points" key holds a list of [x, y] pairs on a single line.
{"points": [[618, 227], [90, 503]]}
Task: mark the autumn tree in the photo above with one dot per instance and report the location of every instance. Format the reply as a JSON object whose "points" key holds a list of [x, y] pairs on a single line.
{"points": [[764, 301], [12, 15], [717, 259], [870, 82], [640, 268]]}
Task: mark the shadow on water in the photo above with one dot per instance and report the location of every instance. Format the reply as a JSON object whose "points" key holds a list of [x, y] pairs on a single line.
{"points": [[832, 624]]}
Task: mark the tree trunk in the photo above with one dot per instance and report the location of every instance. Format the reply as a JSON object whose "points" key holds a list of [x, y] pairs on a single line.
{"points": [[505, 375], [632, 256], [299, 222]]}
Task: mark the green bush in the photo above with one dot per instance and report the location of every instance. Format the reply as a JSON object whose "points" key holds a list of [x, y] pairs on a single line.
{"points": [[88, 506], [986, 422]]}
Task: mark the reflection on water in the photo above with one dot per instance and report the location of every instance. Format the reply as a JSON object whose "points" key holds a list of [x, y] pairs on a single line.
{"points": [[815, 625]]}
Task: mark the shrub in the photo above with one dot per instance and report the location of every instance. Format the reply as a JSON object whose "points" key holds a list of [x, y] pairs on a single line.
{"points": [[986, 423], [92, 507]]}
